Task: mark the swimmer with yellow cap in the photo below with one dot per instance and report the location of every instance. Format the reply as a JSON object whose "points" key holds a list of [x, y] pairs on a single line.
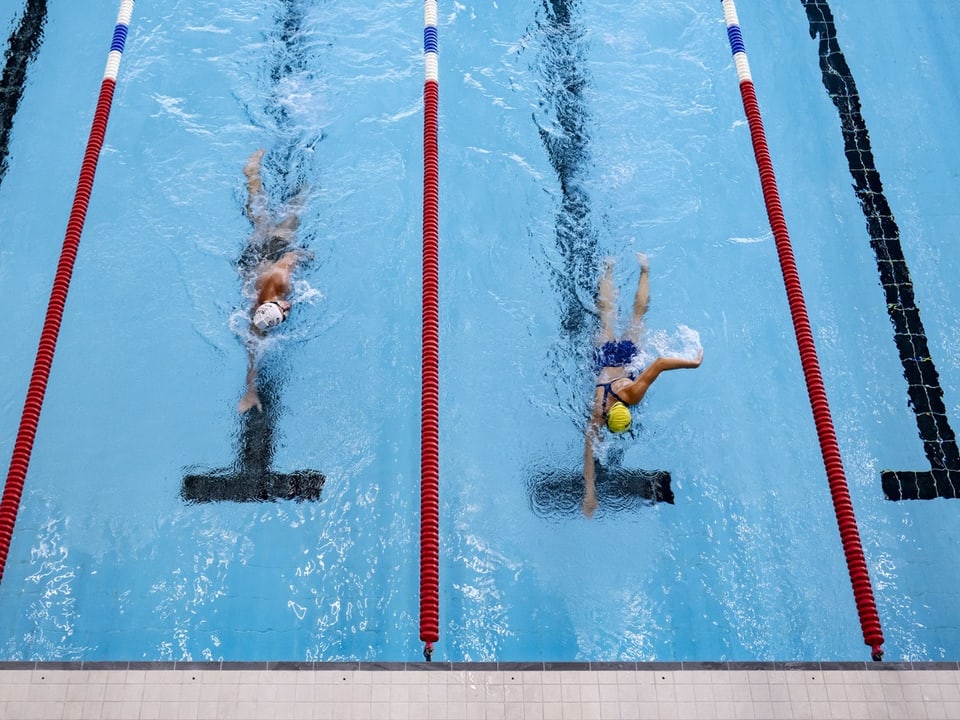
{"points": [[618, 386], [619, 418]]}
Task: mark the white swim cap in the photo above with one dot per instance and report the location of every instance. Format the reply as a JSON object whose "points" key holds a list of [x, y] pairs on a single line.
{"points": [[269, 315]]}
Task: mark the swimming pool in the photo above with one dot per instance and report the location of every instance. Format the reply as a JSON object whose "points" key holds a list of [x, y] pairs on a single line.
{"points": [[568, 132]]}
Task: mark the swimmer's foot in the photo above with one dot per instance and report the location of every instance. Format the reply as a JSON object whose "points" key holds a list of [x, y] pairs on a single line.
{"points": [[252, 168], [254, 188]]}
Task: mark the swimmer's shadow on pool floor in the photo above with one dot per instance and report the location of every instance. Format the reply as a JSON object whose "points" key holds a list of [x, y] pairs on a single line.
{"points": [[251, 478]]}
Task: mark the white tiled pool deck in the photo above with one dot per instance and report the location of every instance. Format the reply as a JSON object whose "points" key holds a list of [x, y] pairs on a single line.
{"points": [[481, 691]]}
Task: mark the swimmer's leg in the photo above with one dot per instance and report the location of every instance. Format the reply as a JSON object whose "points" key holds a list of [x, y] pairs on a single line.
{"points": [[291, 221], [287, 227], [607, 305], [255, 204], [280, 237], [641, 301]]}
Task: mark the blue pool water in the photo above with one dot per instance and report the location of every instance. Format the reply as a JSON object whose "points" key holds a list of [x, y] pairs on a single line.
{"points": [[635, 106]]}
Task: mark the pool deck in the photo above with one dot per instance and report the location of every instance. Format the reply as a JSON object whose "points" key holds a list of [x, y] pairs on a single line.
{"points": [[482, 691]]}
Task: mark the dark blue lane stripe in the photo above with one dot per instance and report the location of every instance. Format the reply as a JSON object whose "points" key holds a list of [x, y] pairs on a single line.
{"points": [[22, 47], [924, 389]]}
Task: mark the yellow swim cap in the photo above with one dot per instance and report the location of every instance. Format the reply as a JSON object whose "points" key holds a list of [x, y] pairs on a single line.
{"points": [[618, 417]]}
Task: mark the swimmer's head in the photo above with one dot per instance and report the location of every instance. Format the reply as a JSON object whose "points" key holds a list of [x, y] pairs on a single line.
{"points": [[618, 418], [270, 314]]}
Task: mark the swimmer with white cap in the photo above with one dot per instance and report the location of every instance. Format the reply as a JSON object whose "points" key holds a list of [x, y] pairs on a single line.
{"points": [[273, 278], [617, 385]]}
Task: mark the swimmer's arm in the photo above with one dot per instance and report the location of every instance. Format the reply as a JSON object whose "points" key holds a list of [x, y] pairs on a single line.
{"points": [[634, 392], [250, 398], [589, 469]]}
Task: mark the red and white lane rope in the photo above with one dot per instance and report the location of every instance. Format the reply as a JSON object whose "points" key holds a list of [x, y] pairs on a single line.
{"points": [[430, 380], [23, 446], [829, 448]]}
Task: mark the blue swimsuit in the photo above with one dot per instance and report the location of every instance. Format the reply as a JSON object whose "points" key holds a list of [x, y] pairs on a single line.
{"points": [[614, 353], [608, 391]]}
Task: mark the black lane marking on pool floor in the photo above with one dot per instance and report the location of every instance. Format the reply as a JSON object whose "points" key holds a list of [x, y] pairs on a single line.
{"points": [[923, 381], [558, 492], [251, 478], [22, 47], [563, 123], [564, 131]]}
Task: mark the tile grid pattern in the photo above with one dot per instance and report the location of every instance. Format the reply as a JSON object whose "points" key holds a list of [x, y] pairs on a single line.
{"points": [[481, 691], [925, 392]]}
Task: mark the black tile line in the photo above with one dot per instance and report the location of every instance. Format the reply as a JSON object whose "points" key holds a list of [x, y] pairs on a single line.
{"points": [[251, 477], [22, 47], [564, 123], [924, 390]]}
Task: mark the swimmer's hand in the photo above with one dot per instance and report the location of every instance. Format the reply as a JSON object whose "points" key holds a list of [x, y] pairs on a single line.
{"points": [[249, 400], [589, 505]]}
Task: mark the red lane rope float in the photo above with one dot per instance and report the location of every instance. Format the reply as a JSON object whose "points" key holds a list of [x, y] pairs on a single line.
{"points": [[430, 380], [23, 446], [829, 448]]}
